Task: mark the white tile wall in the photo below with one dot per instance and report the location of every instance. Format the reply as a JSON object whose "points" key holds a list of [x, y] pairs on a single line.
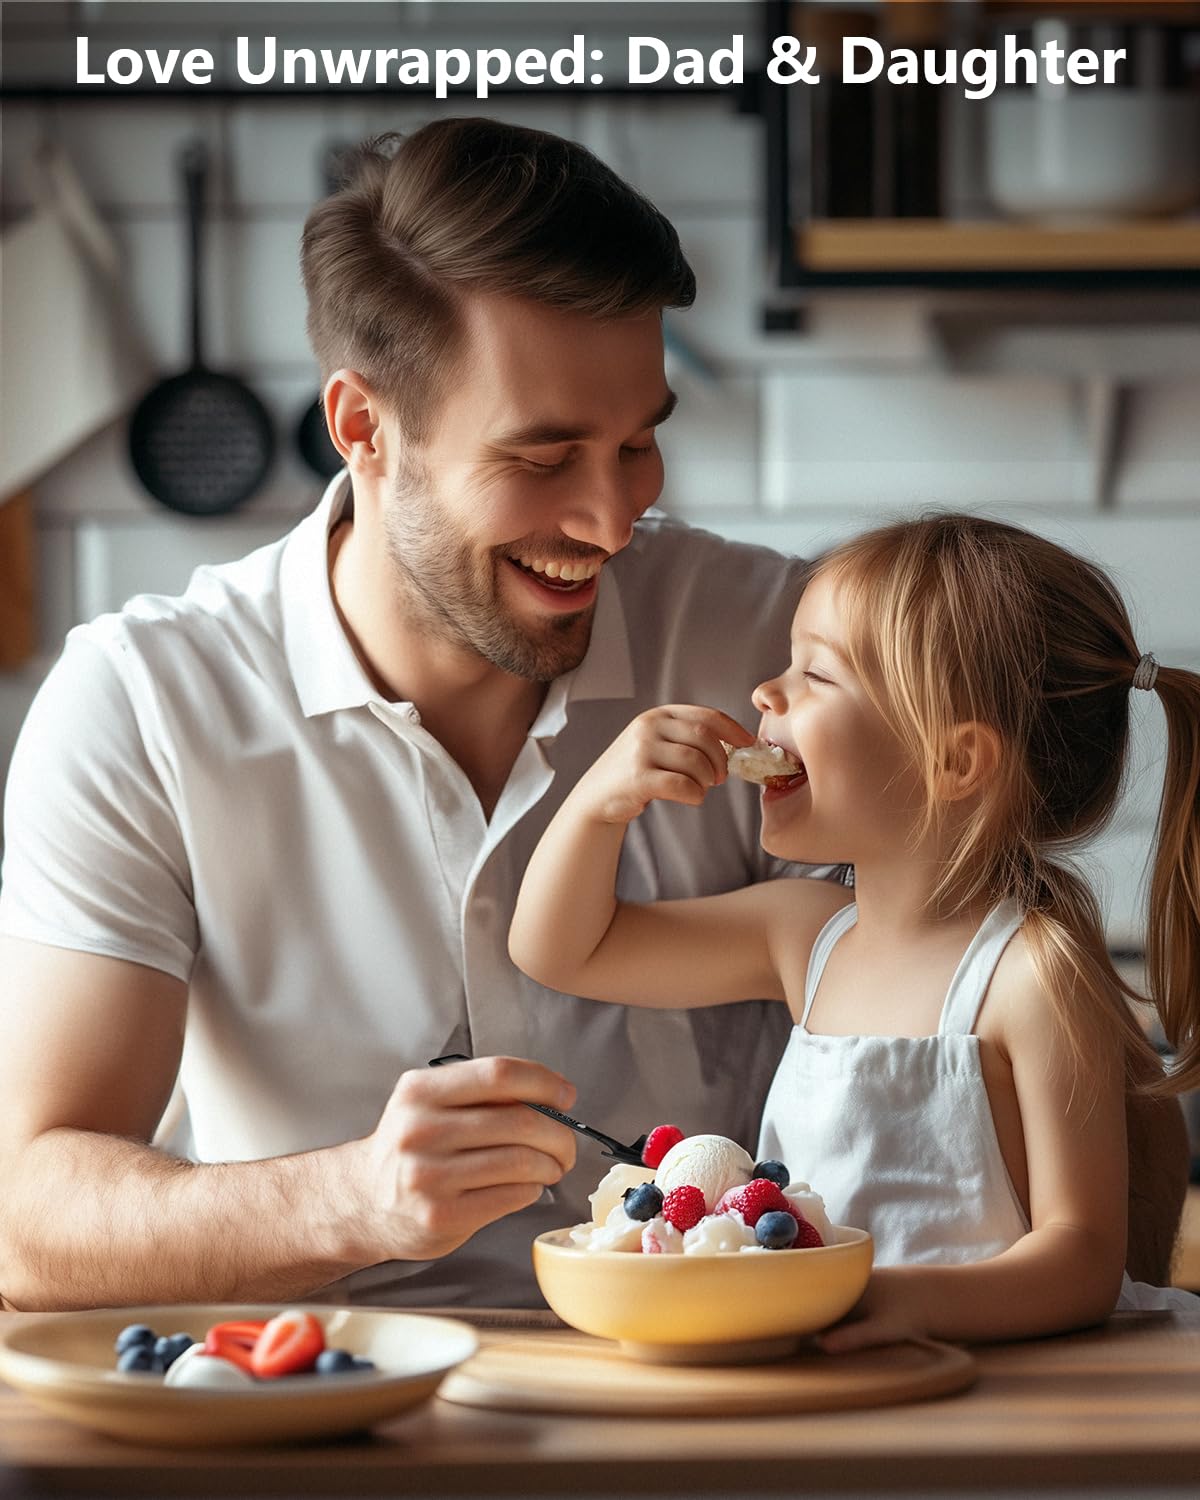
{"points": [[115, 560], [871, 441], [127, 154], [711, 444], [792, 440]]}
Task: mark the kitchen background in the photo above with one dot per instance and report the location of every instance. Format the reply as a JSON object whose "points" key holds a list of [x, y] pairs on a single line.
{"points": [[906, 298]]}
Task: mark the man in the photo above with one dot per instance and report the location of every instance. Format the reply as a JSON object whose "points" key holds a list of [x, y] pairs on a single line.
{"points": [[266, 838]]}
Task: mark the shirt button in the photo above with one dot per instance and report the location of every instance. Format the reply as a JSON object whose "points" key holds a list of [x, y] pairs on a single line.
{"points": [[413, 716]]}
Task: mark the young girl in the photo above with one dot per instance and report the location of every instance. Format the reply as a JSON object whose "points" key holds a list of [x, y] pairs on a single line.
{"points": [[958, 699]]}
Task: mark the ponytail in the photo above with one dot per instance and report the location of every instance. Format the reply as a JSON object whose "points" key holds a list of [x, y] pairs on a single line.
{"points": [[1173, 924], [1064, 936]]}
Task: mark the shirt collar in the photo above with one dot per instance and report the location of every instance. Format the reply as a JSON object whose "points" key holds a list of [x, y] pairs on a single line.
{"points": [[329, 676]]}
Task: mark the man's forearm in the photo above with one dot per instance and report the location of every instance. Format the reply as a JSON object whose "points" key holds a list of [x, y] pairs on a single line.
{"points": [[97, 1221]]}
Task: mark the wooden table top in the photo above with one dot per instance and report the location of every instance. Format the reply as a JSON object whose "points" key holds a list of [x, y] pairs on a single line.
{"points": [[1117, 1405]]}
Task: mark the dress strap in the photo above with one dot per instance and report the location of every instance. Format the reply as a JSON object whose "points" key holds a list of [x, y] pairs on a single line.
{"points": [[964, 998], [842, 921]]}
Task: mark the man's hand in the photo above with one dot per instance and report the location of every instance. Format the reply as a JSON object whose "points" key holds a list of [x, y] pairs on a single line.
{"points": [[455, 1149], [671, 754]]}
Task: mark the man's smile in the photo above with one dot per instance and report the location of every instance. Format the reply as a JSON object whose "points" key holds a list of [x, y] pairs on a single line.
{"points": [[563, 586], [561, 573]]}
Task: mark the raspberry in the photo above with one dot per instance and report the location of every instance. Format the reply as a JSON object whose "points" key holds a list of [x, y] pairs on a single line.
{"points": [[808, 1238], [727, 1201], [683, 1207], [659, 1142], [757, 1198]]}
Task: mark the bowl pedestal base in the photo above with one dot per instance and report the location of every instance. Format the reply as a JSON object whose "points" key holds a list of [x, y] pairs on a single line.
{"points": [[750, 1352]]}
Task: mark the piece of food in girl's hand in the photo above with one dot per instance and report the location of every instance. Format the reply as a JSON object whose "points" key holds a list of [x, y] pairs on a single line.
{"points": [[763, 763]]}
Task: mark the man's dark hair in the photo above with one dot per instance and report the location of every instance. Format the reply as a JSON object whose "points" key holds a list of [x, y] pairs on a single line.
{"points": [[466, 206]]}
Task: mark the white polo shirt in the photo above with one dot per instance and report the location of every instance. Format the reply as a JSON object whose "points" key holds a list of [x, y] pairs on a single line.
{"points": [[211, 786]]}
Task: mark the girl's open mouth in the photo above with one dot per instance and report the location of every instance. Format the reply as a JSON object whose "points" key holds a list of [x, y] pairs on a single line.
{"points": [[775, 787], [783, 786]]}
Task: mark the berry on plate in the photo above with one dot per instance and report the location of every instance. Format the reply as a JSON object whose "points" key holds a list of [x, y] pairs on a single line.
{"points": [[234, 1342], [132, 1335], [138, 1359], [288, 1345], [168, 1349]]}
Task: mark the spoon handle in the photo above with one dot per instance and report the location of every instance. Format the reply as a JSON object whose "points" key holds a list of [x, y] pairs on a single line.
{"points": [[615, 1148]]}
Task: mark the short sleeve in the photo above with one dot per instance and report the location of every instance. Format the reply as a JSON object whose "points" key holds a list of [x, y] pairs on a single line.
{"points": [[93, 855]]}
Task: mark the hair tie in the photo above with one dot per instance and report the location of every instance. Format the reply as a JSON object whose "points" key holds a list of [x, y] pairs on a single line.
{"points": [[1145, 674]]}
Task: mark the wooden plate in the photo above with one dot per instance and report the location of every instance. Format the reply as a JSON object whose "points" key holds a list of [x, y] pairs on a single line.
{"points": [[570, 1372], [64, 1363]]}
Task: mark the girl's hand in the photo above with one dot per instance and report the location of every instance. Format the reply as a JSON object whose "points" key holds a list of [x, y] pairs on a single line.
{"points": [[889, 1311], [670, 754]]}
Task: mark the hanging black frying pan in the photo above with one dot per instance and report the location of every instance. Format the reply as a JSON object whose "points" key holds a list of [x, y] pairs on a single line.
{"points": [[200, 442], [312, 435]]}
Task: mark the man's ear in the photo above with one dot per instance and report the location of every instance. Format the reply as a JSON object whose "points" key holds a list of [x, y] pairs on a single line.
{"points": [[971, 759], [355, 420]]}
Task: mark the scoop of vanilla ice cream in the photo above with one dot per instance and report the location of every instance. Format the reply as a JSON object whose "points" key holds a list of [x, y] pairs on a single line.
{"points": [[812, 1206], [718, 1233], [613, 1186], [713, 1163]]}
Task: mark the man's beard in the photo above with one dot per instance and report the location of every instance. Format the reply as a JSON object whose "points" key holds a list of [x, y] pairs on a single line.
{"points": [[453, 593]]}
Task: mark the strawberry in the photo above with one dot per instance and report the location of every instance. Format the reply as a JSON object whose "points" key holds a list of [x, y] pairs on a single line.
{"points": [[659, 1142], [809, 1238], [683, 1207], [288, 1345], [234, 1342], [727, 1201], [755, 1199]]}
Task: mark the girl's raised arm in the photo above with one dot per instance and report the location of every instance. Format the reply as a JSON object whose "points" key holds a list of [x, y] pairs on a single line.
{"points": [[570, 932]]}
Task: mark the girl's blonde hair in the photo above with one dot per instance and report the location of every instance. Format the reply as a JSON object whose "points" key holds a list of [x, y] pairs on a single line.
{"points": [[953, 619]]}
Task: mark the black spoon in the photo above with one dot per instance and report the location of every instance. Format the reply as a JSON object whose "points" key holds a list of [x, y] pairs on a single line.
{"points": [[631, 1154]]}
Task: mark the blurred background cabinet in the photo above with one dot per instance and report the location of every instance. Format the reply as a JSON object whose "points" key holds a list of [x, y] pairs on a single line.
{"points": [[1074, 185]]}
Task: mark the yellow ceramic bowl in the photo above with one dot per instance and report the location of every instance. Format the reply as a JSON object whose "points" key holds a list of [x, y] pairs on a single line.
{"points": [[732, 1308], [65, 1363]]}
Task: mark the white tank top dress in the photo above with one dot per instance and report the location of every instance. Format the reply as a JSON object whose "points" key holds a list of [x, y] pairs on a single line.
{"points": [[896, 1133]]}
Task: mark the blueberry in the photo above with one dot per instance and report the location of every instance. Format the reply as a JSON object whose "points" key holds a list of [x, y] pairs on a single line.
{"points": [[132, 1336], [773, 1171], [643, 1202], [776, 1230], [137, 1359], [168, 1349], [334, 1362]]}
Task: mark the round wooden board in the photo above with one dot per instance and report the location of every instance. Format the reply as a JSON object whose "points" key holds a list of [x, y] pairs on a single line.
{"points": [[571, 1372]]}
